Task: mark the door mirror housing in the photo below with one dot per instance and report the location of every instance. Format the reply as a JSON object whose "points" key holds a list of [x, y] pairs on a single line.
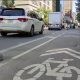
{"points": [[41, 19]]}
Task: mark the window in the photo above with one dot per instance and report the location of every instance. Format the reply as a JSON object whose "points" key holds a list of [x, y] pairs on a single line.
{"points": [[13, 12], [32, 14]]}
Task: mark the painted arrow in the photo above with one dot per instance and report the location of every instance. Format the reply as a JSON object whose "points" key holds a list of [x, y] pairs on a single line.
{"points": [[63, 50]]}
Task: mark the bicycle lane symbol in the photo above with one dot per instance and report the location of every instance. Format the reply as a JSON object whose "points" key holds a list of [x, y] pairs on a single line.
{"points": [[63, 70]]}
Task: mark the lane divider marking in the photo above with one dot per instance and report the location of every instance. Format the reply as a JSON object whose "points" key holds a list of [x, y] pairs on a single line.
{"points": [[21, 54]]}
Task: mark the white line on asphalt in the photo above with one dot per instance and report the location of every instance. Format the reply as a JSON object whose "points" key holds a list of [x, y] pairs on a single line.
{"points": [[51, 53], [74, 36], [62, 49], [15, 57], [73, 51], [56, 50], [22, 44], [74, 55], [2, 64], [50, 36]]}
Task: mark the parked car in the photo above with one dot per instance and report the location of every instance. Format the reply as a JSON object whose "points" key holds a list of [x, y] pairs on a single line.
{"points": [[17, 20]]}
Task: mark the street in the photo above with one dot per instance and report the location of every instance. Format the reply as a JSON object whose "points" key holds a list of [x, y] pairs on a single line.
{"points": [[55, 55]]}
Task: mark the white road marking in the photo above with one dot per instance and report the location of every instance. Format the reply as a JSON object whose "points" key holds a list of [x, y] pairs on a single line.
{"points": [[50, 36], [15, 57], [51, 53], [54, 50], [74, 55], [63, 70], [72, 50], [2, 64], [63, 49], [20, 73], [74, 36], [22, 44], [35, 67]]}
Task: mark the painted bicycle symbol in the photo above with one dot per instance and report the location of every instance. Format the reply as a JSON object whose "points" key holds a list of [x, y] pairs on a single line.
{"points": [[63, 70]]}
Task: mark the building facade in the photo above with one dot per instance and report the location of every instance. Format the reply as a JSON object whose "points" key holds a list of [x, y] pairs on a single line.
{"points": [[67, 10], [53, 5], [33, 4], [67, 6]]}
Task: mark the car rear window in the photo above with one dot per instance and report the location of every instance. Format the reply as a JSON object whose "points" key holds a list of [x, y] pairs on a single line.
{"points": [[0, 11], [13, 12]]}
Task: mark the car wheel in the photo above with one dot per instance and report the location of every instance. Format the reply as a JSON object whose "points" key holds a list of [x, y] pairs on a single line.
{"points": [[59, 28], [32, 31], [42, 29], [3, 34]]}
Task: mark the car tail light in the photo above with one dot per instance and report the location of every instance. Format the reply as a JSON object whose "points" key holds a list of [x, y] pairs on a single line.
{"points": [[23, 19], [1, 19]]}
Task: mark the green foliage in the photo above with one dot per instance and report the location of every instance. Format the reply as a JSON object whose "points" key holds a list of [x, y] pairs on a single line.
{"points": [[78, 17], [44, 12], [8, 3]]}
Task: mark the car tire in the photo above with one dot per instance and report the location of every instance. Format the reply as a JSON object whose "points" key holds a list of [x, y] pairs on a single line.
{"points": [[3, 33], [60, 28], [31, 31], [42, 29]]}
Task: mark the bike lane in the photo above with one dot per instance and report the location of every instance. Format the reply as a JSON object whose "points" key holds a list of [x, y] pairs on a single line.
{"points": [[62, 65], [39, 65], [55, 64]]}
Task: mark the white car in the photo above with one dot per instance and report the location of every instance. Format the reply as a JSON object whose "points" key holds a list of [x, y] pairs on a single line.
{"points": [[17, 20]]}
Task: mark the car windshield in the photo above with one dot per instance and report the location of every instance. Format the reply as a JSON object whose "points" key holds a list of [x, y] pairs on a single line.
{"points": [[13, 12]]}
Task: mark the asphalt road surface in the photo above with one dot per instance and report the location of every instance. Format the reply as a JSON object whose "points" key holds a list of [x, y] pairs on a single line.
{"points": [[55, 55]]}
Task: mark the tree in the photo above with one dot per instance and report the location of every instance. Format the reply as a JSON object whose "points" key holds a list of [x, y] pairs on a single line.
{"points": [[78, 17], [78, 6], [8, 3], [44, 12]]}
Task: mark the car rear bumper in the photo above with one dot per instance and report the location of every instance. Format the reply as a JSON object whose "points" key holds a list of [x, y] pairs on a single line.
{"points": [[13, 30], [54, 26]]}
